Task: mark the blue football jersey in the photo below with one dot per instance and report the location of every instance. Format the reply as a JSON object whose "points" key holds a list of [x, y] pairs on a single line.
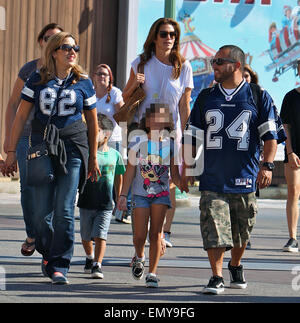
{"points": [[233, 127], [73, 99]]}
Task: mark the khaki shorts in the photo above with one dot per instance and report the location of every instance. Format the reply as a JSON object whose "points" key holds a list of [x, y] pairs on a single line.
{"points": [[226, 220]]}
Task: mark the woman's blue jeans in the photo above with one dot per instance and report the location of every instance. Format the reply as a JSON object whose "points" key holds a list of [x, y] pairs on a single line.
{"points": [[27, 192], [56, 201]]}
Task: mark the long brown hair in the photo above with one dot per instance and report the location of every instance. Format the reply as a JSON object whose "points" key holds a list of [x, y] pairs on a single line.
{"points": [[48, 70], [111, 79], [176, 59]]}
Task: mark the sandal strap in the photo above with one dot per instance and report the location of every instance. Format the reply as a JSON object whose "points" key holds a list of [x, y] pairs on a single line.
{"points": [[29, 244]]}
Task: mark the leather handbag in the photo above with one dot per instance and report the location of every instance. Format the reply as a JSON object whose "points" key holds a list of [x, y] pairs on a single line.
{"points": [[39, 165], [128, 110]]}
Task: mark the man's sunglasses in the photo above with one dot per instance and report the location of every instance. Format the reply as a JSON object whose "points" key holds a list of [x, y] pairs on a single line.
{"points": [[68, 48], [164, 34], [221, 61]]}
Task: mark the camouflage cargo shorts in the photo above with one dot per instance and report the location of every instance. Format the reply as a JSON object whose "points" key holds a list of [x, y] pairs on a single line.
{"points": [[226, 220]]}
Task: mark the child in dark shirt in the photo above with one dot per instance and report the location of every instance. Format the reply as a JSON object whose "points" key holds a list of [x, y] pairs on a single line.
{"points": [[96, 202]]}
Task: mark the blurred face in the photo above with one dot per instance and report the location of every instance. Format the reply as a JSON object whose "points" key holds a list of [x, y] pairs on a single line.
{"points": [[165, 38], [66, 55], [247, 76], [101, 77], [224, 68], [160, 119]]}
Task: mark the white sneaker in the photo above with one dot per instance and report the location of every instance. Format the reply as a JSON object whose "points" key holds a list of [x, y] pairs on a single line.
{"points": [[215, 286], [152, 281], [167, 238], [138, 268], [291, 246]]}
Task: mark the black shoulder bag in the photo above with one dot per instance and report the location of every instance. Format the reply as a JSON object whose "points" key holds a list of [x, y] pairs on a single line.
{"points": [[40, 170]]}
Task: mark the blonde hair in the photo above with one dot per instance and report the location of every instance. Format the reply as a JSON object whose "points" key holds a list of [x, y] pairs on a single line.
{"points": [[48, 70]]}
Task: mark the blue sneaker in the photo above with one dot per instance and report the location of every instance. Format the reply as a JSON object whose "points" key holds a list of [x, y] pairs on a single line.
{"points": [[59, 279]]}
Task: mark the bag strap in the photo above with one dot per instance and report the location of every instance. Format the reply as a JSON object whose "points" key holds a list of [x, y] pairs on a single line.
{"points": [[257, 92], [62, 86], [141, 70]]}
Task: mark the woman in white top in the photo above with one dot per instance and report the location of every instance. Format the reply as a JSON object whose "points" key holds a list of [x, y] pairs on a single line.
{"points": [[168, 79], [109, 101]]}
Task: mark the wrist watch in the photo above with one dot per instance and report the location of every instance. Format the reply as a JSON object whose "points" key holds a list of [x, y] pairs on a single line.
{"points": [[269, 166]]}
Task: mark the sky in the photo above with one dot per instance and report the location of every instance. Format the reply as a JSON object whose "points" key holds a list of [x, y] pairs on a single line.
{"points": [[216, 24]]}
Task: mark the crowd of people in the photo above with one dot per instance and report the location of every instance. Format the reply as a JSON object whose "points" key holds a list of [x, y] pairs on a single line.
{"points": [[54, 100]]}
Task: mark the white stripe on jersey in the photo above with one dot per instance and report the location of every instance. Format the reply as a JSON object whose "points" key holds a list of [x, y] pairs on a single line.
{"points": [[28, 92], [228, 96], [90, 101], [267, 126]]}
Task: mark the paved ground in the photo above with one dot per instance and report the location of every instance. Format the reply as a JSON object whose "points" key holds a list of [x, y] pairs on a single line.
{"points": [[272, 275]]}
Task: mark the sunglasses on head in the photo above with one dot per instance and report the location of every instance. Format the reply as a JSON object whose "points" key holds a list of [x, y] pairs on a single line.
{"points": [[68, 48], [221, 61], [164, 34]]}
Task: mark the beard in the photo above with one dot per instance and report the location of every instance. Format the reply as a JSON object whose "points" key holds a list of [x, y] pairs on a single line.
{"points": [[223, 76]]}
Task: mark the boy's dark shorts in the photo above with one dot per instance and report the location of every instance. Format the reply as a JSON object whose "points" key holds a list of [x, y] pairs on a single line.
{"points": [[226, 220]]}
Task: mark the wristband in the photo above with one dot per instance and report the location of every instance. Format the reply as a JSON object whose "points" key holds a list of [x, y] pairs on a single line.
{"points": [[123, 195], [11, 151], [290, 153]]}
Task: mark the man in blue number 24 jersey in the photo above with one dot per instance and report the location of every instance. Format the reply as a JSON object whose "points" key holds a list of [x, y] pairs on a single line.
{"points": [[232, 125]]}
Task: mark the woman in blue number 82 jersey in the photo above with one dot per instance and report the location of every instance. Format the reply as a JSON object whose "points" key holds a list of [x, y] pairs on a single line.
{"points": [[60, 89]]}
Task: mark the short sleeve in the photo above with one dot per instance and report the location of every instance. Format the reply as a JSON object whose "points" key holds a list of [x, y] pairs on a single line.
{"points": [[188, 75], [89, 95], [27, 69], [116, 95], [135, 64], [194, 129], [28, 92], [285, 109], [120, 167], [269, 123]]}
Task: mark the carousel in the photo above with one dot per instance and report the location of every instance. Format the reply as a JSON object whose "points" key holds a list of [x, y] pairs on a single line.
{"points": [[199, 55]]}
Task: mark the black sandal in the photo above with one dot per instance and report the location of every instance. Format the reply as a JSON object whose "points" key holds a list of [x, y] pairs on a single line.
{"points": [[27, 245]]}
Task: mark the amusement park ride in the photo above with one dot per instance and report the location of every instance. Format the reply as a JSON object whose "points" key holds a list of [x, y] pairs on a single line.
{"points": [[284, 47], [199, 55]]}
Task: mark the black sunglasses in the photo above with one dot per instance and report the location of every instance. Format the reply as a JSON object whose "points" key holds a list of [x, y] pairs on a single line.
{"points": [[68, 48], [164, 34], [46, 38], [221, 61]]}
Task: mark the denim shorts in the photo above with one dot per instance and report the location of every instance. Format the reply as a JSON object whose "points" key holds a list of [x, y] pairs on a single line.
{"points": [[94, 224], [146, 202]]}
